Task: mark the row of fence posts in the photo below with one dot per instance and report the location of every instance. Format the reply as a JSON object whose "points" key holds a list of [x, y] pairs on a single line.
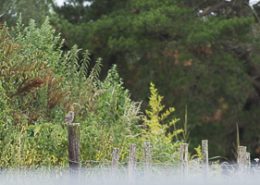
{"points": [[243, 157], [132, 158]]}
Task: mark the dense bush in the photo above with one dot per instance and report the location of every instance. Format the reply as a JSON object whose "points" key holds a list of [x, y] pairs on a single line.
{"points": [[40, 83]]}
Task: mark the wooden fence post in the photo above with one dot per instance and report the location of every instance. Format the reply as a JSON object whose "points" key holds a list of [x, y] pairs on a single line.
{"points": [[115, 158], [74, 145], [248, 159], [184, 158], [132, 160], [147, 155], [242, 157], [205, 154]]}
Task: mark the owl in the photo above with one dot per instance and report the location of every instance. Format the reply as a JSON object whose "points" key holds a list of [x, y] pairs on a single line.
{"points": [[69, 117]]}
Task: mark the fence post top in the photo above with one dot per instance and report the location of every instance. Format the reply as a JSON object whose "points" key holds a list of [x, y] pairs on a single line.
{"points": [[73, 124], [147, 143], [242, 148], [115, 149]]}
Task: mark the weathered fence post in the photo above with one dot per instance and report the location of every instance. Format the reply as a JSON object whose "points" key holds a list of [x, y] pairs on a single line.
{"points": [[184, 158], [132, 160], [74, 145], [115, 158], [242, 157], [205, 155], [147, 156], [248, 159]]}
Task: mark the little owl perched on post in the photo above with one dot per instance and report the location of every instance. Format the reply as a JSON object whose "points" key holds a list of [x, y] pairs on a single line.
{"points": [[69, 117]]}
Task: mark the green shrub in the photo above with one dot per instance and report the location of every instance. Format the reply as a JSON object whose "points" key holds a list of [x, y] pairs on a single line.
{"points": [[40, 83], [159, 122], [113, 122]]}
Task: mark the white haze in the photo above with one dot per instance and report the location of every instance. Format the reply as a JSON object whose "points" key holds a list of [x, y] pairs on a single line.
{"points": [[61, 2], [253, 2], [106, 176]]}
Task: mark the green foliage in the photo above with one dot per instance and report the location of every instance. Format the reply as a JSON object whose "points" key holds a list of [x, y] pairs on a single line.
{"points": [[10, 10], [38, 145], [40, 83], [31, 131], [155, 116], [30, 66], [158, 122], [198, 153], [112, 122]]}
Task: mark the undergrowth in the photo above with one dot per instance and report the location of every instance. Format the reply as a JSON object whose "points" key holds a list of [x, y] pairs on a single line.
{"points": [[39, 85]]}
